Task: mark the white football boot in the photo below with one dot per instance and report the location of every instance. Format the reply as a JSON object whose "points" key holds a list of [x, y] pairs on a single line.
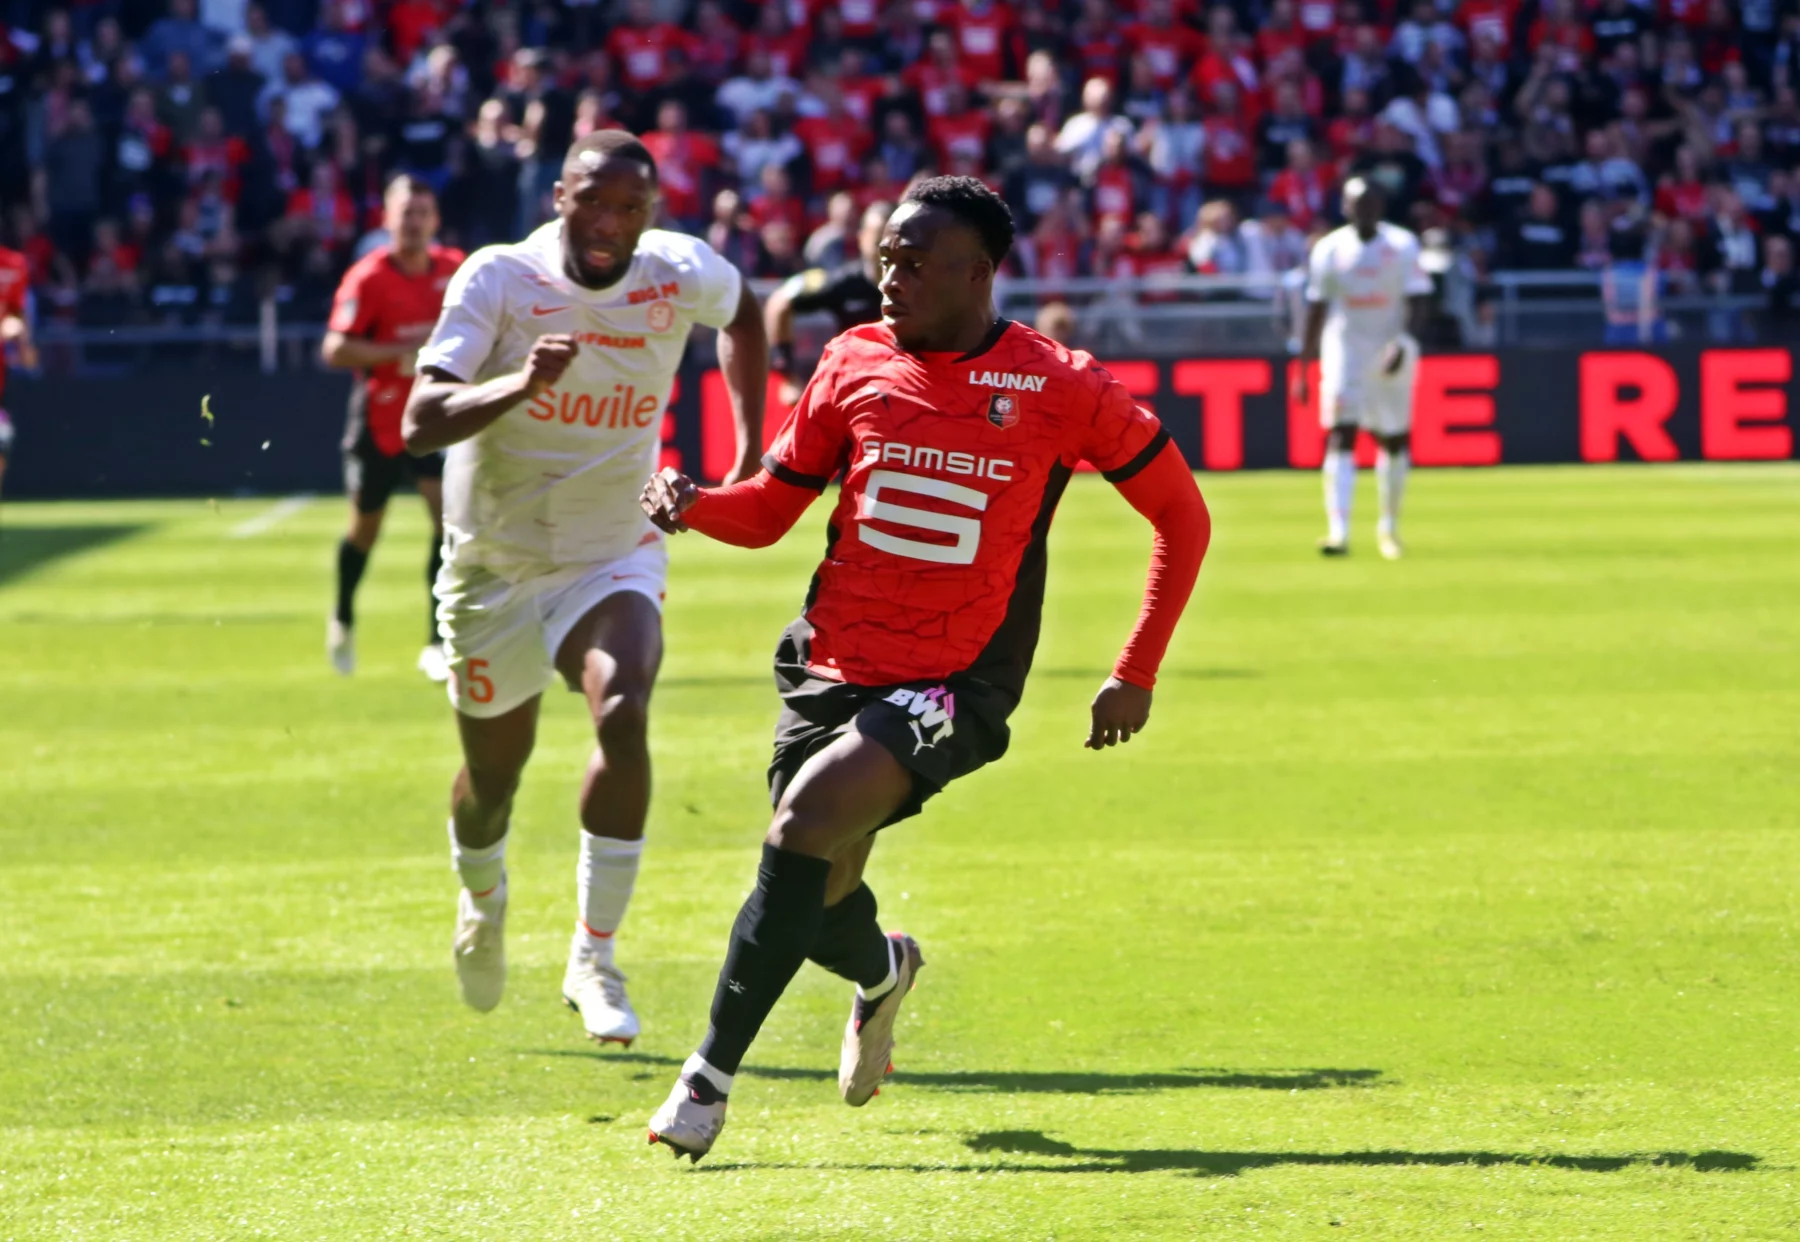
{"points": [[480, 951], [868, 1053], [595, 989], [434, 663], [340, 646], [1389, 543], [690, 1119]]}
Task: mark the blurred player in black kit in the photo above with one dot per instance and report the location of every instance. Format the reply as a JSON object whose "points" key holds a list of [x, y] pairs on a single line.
{"points": [[848, 291]]}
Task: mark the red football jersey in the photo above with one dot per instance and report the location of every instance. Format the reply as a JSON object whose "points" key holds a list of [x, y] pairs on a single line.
{"points": [[15, 283], [953, 465], [381, 303]]}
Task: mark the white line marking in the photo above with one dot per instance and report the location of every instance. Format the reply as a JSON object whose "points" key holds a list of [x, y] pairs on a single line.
{"points": [[272, 517]]}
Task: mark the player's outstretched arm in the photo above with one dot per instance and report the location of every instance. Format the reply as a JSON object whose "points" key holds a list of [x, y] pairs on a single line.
{"points": [[751, 514], [444, 410], [744, 361], [1164, 492]]}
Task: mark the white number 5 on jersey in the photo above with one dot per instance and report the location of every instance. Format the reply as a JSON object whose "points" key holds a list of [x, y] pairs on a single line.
{"points": [[966, 529]]}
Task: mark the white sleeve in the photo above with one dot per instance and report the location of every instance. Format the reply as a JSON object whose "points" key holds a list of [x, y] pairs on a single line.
{"points": [[469, 326], [1418, 283], [721, 287], [1318, 272]]}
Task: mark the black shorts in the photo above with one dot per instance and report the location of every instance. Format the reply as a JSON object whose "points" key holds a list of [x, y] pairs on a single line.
{"points": [[370, 475], [939, 730]]}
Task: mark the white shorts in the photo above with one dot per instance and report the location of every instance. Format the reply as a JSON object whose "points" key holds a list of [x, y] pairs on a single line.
{"points": [[502, 637], [1368, 397]]}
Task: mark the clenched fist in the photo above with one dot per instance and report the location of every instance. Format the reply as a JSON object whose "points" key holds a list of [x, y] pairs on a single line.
{"points": [[666, 497], [550, 356]]}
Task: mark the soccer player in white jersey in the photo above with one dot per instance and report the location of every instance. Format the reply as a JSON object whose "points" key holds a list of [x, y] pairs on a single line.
{"points": [[1363, 283], [547, 378]]}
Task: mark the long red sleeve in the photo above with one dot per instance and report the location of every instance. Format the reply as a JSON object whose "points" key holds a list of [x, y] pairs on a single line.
{"points": [[751, 514], [1164, 492]]}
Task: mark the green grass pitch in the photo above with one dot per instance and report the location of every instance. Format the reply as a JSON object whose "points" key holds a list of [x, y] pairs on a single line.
{"points": [[1445, 898]]}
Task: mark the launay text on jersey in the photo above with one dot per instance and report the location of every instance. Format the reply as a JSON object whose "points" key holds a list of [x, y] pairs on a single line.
{"points": [[1006, 379]]}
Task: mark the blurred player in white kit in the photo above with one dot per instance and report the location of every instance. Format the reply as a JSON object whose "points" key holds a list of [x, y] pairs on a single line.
{"points": [[547, 379], [1363, 285]]}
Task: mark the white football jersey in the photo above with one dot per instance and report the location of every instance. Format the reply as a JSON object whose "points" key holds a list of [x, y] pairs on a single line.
{"points": [[554, 481], [1365, 285]]}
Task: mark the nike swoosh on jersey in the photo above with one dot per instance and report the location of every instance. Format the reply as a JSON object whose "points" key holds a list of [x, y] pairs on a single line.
{"points": [[540, 311]]}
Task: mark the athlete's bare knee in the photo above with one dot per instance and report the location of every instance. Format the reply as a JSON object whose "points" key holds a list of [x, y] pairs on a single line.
{"points": [[800, 833], [492, 785], [624, 724], [1342, 437]]}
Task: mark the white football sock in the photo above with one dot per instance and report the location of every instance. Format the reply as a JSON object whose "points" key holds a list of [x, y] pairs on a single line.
{"points": [[483, 871], [886, 985], [1390, 481], [696, 1064], [605, 873], [1340, 490]]}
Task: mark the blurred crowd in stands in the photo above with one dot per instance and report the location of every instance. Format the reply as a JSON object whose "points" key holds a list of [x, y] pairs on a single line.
{"points": [[176, 160]]}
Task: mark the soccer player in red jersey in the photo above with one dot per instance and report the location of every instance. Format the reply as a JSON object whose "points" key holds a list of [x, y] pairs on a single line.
{"points": [[385, 308], [955, 432], [15, 283]]}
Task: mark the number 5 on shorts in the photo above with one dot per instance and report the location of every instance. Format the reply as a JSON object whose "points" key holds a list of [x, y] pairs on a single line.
{"points": [[474, 683]]}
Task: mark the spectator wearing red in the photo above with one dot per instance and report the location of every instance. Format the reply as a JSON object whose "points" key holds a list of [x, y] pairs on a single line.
{"points": [[1054, 251], [835, 144], [1302, 190], [1491, 20], [931, 78], [718, 44], [641, 45], [1716, 42], [1319, 20], [214, 152], [983, 28], [777, 201], [1280, 32], [1682, 194], [321, 211], [1352, 130], [859, 88], [1170, 48], [110, 247], [1099, 44], [1230, 154], [410, 25], [684, 160], [1228, 63], [1460, 184], [961, 130], [1116, 187], [777, 39], [1689, 13], [879, 185], [1152, 257], [862, 19], [1562, 27]]}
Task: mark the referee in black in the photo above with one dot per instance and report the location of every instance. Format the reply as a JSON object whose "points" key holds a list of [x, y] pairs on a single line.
{"points": [[849, 291]]}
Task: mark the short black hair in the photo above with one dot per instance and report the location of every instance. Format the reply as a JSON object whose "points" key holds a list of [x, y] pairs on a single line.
{"points": [[974, 204], [610, 144]]}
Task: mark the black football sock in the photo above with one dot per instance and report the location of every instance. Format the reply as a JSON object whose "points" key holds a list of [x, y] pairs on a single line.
{"points": [[352, 560], [431, 573], [778, 923], [850, 943]]}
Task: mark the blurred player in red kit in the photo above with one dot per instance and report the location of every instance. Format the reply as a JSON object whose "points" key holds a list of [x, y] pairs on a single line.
{"points": [[956, 432], [384, 311], [15, 283]]}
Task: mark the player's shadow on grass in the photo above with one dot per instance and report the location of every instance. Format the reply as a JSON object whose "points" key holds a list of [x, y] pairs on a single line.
{"points": [[24, 549], [1072, 1159], [1073, 1082]]}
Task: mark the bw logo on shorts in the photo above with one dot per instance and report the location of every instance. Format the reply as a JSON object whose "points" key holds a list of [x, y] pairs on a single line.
{"points": [[1003, 410]]}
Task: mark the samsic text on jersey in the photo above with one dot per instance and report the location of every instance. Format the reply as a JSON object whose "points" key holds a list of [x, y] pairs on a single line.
{"points": [[953, 466]]}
